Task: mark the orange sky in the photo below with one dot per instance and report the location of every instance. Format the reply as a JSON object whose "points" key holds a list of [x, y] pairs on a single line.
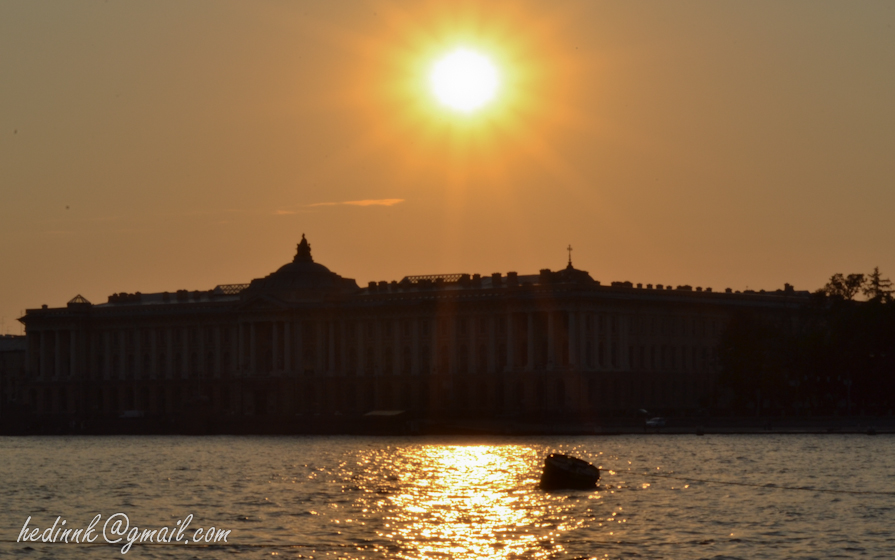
{"points": [[152, 146]]}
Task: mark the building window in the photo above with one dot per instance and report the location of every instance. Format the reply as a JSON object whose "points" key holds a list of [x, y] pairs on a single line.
{"points": [[560, 393], [425, 359], [388, 360], [352, 360], [463, 359], [370, 364]]}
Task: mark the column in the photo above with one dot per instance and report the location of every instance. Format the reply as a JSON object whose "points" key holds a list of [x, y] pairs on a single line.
{"points": [[153, 356], [185, 352], [397, 351], [492, 343], [42, 353], [530, 359], [122, 354], [398, 348], [217, 338], [240, 351], [551, 339], [361, 347], [275, 347], [573, 339], [473, 345], [138, 354], [331, 347], [377, 347], [624, 354], [415, 342], [433, 349], [57, 359], [582, 337], [252, 350], [452, 343], [234, 349], [201, 358], [287, 345], [169, 354], [299, 347], [343, 346], [318, 330], [588, 337], [29, 348], [72, 352], [107, 358], [511, 339]]}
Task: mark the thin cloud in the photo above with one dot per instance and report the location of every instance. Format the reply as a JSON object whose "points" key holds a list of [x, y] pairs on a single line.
{"points": [[372, 202], [380, 202], [284, 212]]}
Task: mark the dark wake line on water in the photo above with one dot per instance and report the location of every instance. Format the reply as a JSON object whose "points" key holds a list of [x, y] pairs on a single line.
{"points": [[771, 486]]}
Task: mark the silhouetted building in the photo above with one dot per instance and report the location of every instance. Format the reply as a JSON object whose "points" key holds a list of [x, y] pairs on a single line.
{"points": [[12, 370], [303, 341]]}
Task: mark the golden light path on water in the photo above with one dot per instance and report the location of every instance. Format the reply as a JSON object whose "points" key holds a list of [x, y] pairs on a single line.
{"points": [[469, 501], [762, 497]]}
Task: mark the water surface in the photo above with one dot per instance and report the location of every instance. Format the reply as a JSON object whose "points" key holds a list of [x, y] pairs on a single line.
{"points": [[367, 497]]}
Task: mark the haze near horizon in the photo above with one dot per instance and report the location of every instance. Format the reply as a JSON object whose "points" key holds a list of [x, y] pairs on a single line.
{"points": [[163, 146]]}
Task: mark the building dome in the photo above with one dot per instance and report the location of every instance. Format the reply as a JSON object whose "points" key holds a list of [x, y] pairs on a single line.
{"points": [[301, 277]]}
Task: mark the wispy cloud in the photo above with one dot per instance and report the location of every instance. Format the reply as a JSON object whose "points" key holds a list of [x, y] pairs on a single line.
{"points": [[375, 202]]}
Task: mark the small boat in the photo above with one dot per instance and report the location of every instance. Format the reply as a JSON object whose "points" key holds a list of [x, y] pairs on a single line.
{"points": [[566, 472]]}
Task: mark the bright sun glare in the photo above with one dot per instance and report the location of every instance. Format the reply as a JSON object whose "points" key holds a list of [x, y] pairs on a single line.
{"points": [[464, 80]]}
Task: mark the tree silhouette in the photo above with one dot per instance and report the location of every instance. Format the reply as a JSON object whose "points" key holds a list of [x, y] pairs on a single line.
{"points": [[877, 288], [834, 355], [845, 287]]}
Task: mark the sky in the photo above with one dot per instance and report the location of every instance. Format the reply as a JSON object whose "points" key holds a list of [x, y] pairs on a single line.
{"points": [[165, 145]]}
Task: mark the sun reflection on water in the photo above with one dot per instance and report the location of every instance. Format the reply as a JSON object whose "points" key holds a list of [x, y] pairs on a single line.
{"points": [[466, 501]]}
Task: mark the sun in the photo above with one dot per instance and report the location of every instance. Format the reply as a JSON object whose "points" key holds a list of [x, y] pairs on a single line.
{"points": [[464, 80]]}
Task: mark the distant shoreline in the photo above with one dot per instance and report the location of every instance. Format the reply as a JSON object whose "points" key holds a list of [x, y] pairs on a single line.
{"points": [[884, 425]]}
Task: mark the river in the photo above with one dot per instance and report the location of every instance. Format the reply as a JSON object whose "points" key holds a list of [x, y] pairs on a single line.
{"points": [[661, 496]]}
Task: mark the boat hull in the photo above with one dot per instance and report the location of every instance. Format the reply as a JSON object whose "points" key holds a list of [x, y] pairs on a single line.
{"points": [[566, 472]]}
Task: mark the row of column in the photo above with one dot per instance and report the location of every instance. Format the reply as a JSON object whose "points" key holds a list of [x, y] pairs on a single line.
{"points": [[54, 358], [60, 351], [373, 352]]}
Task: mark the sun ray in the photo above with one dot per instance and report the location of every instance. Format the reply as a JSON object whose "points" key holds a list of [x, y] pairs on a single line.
{"points": [[387, 90]]}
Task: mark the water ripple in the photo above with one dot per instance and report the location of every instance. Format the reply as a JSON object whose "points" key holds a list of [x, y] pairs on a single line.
{"points": [[360, 497]]}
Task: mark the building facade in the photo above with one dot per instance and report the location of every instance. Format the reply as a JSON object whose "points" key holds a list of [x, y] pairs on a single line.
{"points": [[12, 371], [304, 345]]}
